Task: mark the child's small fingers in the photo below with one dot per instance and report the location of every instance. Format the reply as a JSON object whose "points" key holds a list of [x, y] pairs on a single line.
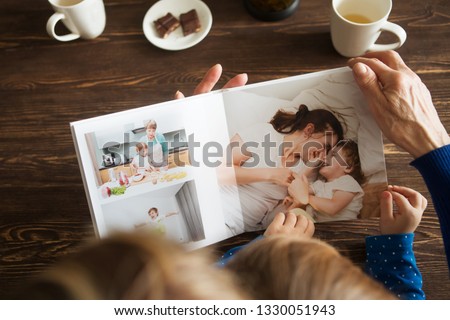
{"points": [[414, 197], [279, 219], [386, 206], [424, 203], [403, 203], [291, 220], [296, 175], [302, 222], [310, 228]]}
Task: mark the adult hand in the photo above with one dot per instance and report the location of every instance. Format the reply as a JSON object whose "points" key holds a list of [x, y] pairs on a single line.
{"points": [[210, 79], [410, 205], [299, 189], [400, 103], [290, 225]]}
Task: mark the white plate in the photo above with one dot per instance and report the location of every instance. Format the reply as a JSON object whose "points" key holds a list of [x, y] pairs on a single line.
{"points": [[176, 40], [138, 177]]}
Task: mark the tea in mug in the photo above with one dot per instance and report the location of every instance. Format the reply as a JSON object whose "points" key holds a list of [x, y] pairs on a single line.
{"points": [[357, 18]]}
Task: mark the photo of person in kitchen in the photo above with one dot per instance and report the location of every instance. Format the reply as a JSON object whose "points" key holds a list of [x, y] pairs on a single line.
{"points": [[157, 148], [140, 160], [172, 211], [135, 149]]}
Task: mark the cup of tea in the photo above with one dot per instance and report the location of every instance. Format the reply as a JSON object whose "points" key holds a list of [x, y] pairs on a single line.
{"points": [[357, 24], [85, 19]]}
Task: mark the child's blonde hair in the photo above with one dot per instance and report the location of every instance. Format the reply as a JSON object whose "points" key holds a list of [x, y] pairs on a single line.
{"points": [[135, 266], [280, 267]]}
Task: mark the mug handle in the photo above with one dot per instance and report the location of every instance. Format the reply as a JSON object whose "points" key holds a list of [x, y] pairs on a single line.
{"points": [[396, 30], [51, 23]]}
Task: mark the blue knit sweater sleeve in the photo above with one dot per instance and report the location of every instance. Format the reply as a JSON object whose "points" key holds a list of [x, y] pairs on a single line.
{"points": [[435, 170], [391, 261]]}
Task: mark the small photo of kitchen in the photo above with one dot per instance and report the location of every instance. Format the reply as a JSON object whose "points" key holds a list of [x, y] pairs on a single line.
{"points": [[171, 211], [145, 152]]}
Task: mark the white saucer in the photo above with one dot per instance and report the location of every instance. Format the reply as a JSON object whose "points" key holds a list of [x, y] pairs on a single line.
{"points": [[138, 177], [176, 40]]}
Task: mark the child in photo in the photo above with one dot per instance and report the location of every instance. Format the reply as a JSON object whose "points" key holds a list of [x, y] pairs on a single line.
{"points": [[140, 161], [257, 181], [338, 194], [157, 220]]}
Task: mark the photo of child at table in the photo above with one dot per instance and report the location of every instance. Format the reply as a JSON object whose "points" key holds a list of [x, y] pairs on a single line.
{"points": [[158, 150], [257, 179], [140, 160], [337, 194], [156, 221]]}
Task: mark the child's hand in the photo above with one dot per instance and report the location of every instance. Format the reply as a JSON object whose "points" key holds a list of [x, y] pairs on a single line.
{"points": [[299, 189], [287, 201], [315, 158], [410, 207], [290, 225], [281, 176]]}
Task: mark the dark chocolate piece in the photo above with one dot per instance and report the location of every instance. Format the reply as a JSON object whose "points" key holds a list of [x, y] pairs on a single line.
{"points": [[190, 22], [165, 25]]}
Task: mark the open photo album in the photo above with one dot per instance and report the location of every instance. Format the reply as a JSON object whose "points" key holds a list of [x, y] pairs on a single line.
{"points": [[208, 167]]}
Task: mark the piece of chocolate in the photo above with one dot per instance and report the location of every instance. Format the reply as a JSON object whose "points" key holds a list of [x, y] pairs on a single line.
{"points": [[165, 25], [190, 22]]}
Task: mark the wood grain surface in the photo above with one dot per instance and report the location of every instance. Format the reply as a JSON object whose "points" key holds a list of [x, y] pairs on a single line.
{"points": [[46, 84]]}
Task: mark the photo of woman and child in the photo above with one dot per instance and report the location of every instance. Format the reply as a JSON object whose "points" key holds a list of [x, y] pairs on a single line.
{"points": [[337, 194], [151, 150], [303, 159]]}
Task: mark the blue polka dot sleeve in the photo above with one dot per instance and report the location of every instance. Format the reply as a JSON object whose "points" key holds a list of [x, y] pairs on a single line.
{"points": [[391, 261], [229, 255]]}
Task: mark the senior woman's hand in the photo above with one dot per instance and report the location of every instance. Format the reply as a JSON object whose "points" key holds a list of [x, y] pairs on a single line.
{"points": [[400, 103], [210, 79]]}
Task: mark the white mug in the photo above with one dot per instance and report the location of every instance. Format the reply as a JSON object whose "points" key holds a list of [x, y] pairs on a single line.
{"points": [[357, 24], [84, 18]]}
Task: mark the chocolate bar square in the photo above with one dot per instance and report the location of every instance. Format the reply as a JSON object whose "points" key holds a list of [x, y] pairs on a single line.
{"points": [[190, 22], [165, 25]]}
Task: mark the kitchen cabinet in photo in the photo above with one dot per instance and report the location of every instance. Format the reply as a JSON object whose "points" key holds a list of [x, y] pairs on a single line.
{"points": [[104, 173], [179, 159]]}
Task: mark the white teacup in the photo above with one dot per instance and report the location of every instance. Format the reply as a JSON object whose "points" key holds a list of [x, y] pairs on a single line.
{"points": [[357, 24], [84, 18]]}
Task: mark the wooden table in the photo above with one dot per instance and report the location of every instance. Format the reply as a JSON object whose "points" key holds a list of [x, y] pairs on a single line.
{"points": [[45, 84]]}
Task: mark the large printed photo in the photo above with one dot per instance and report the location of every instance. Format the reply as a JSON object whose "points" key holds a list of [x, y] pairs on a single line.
{"points": [[308, 146]]}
